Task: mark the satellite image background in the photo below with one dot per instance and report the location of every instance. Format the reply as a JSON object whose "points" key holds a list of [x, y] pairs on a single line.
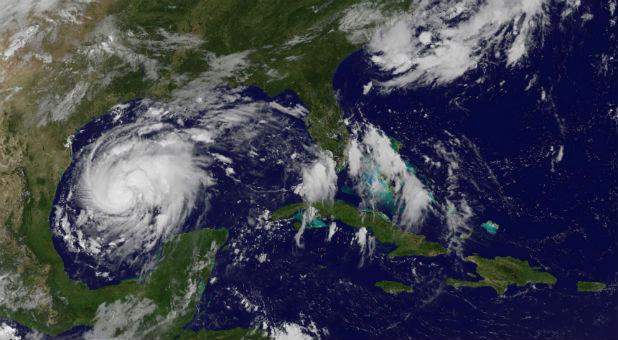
{"points": [[308, 169]]}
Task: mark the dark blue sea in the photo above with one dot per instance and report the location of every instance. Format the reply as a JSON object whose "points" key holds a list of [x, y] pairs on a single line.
{"points": [[560, 213]]}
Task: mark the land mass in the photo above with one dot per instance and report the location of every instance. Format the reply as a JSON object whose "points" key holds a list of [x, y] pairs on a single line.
{"points": [[384, 231], [502, 272], [166, 299], [394, 287], [590, 286]]}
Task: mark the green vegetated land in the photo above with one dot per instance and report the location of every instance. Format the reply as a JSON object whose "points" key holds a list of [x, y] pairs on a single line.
{"points": [[186, 261], [590, 286], [393, 287], [502, 272], [407, 243], [265, 28]]}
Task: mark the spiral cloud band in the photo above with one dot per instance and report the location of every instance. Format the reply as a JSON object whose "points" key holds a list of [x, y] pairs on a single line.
{"points": [[136, 188], [147, 171]]}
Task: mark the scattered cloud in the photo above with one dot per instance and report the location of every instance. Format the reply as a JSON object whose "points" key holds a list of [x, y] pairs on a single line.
{"points": [[16, 295], [380, 171], [319, 180], [360, 21], [332, 229], [366, 242], [220, 68], [8, 333], [439, 42], [291, 331], [120, 319]]}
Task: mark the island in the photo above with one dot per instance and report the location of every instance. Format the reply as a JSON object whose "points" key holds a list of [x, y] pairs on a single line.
{"points": [[590, 286], [502, 272], [384, 231], [394, 287], [491, 227]]}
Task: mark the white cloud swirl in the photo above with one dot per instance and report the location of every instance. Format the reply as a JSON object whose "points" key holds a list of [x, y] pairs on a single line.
{"points": [[139, 188], [147, 171], [134, 186]]}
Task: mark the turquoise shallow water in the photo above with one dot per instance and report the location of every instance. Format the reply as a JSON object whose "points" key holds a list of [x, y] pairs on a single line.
{"points": [[315, 223], [491, 227]]}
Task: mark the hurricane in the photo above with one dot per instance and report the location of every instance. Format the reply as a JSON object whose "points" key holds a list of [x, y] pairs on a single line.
{"points": [[136, 188], [148, 170]]}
